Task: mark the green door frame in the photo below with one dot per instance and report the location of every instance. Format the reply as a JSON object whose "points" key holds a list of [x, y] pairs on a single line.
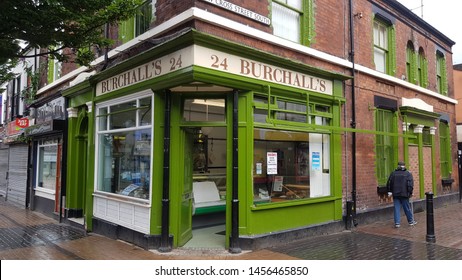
{"points": [[177, 175]]}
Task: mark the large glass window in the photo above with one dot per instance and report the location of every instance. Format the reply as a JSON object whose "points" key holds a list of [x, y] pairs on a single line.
{"points": [[47, 155], [290, 165], [385, 145], [124, 137]]}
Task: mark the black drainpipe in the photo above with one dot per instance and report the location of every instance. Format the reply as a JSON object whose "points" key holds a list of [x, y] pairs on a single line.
{"points": [[164, 238], [353, 111], [64, 160], [234, 239]]}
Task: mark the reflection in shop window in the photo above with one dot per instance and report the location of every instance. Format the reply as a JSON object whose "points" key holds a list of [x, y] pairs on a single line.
{"points": [[47, 154], [290, 165], [124, 148]]}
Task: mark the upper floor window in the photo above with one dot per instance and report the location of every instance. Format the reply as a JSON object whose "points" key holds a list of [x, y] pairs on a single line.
{"points": [[422, 72], [139, 24], [54, 69], [441, 78], [384, 54], [291, 20], [410, 63], [15, 89]]}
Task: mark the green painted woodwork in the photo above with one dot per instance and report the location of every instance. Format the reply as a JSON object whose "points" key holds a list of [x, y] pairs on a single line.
{"points": [[253, 219], [433, 151], [51, 70], [127, 30], [417, 116]]}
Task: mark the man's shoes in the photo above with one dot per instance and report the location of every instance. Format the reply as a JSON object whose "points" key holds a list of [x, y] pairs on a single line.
{"points": [[413, 223], [397, 225]]}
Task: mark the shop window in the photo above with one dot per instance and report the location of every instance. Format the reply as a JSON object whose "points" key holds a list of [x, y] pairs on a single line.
{"points": [[140, 23], [384, 53], [384, 145], [47, 157], [445, 150], [275, 109], [124, 137], [291, 20], [441, 75], [290, 165]]}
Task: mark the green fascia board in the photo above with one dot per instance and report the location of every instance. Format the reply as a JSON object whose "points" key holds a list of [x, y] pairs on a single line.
{"points": [[418, 116], [217, 43], [203, 74], [195, 37]]}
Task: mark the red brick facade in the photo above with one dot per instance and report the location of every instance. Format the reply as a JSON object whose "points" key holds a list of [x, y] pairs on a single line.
{"points": [[331, 29]]}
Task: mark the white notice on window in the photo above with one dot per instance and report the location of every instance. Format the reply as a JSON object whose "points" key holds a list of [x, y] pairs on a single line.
{"points": [[272, 163]]}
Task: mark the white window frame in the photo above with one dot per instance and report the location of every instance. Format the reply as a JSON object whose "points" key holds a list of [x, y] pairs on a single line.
{"points": [[41, 144], [100, 131], [294, 7], [381, 46]]}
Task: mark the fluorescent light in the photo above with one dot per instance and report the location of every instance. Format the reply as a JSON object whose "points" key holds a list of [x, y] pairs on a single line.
{"points": [[210, 102]]}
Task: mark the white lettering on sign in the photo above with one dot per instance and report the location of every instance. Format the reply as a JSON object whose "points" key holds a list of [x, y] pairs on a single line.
{"points": [[240, 10], [253, 69], [155, 68]]}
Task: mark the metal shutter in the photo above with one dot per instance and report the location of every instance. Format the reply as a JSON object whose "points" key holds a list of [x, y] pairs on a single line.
{"points": [[17, 175]]}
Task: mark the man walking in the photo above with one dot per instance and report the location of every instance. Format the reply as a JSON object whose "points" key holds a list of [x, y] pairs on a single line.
{"points": [[401, 184]]}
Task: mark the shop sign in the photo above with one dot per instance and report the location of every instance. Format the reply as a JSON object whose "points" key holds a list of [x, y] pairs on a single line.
{"points": [[45, 127], [53, 110], [233, 64], [14, 128], [22, 122], [155, 68], [240, 10], [215, 60]]}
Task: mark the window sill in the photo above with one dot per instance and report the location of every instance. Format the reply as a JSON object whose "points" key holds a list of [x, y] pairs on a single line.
{"points": [[124, 199]]}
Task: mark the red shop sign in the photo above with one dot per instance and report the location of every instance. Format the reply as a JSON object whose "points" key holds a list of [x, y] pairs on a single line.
{"points": [[22, 122]]}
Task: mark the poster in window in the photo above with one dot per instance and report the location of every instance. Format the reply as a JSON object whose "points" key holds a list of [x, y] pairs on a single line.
{"points": [[272, 163], [315, 161]]}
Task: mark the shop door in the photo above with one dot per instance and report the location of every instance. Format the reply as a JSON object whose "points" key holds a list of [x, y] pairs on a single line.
{"points": [[185, 219]]}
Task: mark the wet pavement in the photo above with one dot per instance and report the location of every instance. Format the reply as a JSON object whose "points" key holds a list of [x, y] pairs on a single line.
{"points": [[29, 235]]}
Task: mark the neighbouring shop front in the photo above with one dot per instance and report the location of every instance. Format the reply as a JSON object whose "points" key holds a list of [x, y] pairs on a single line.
{"points": [[14, 156], [46, 136], [192, 135]]}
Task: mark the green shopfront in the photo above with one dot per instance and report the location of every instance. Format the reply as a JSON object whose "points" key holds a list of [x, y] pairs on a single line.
{"points": [[199, 132]]}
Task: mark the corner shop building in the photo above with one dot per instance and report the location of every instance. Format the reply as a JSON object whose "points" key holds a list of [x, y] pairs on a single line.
{"points": [[199, 131]]}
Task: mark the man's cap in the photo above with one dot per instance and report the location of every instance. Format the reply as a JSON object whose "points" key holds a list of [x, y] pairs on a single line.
{"points": [[401, 163]]}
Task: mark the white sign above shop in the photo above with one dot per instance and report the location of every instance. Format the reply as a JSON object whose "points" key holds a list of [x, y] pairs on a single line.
{"points": [[239, 10], [216, 60]]}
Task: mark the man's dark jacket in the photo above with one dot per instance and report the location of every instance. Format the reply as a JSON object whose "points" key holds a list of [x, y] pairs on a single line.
{"points": [[400, 183]]}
